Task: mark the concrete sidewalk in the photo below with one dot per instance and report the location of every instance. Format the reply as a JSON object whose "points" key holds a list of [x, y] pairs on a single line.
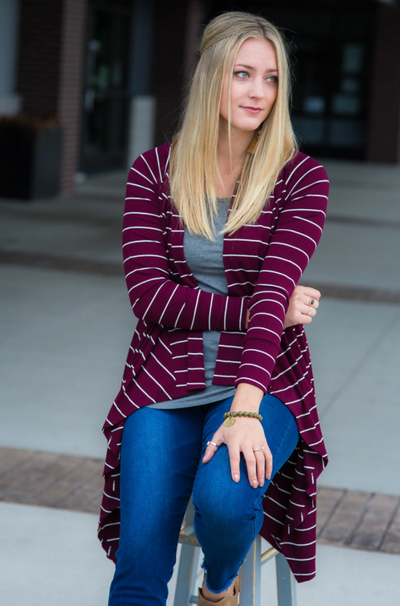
{"points": [[66, 326], [66, 567]]}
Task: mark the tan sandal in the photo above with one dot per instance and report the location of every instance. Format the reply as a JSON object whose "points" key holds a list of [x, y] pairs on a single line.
{"points": [[231, 600]]}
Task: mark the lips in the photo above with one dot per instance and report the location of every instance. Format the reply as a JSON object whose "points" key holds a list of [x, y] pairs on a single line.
{"points": [[252, 110]]}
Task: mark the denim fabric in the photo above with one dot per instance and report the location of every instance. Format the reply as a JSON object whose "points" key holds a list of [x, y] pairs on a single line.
{"points": [[160, 467]]}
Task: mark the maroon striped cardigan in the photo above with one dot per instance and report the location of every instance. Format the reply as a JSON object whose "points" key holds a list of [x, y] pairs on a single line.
{"points": [[263, 264]]}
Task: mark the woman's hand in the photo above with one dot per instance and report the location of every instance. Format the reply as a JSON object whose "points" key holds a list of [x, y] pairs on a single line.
{"points": [[245, 436], [302, 308]]}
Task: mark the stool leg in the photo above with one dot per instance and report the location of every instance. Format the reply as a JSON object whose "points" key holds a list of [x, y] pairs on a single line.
{"points": [[186, 582], [285, 582], [250, 576]]}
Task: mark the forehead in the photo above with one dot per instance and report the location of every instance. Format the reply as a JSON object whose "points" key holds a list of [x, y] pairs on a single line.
{"points": [[257, 51]]}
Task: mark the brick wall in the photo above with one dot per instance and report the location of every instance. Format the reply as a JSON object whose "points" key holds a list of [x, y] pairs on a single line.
{"points": [[384, 116], [50, 70]]}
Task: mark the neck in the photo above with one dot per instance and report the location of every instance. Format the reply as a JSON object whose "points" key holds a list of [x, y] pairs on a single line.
{"points": [[240, 143], [229, 167]]}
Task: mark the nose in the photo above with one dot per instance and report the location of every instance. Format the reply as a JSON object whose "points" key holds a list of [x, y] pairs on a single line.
{"points": [[257, 89]]}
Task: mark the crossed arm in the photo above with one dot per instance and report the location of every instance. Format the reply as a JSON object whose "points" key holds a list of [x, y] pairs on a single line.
{"points": [[297, 234]]}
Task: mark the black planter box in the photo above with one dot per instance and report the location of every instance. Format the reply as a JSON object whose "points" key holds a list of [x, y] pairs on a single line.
{"points": [[30, 158]]}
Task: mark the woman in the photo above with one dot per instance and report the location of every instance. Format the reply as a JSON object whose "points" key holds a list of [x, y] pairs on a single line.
{"points": [[217, 231]]}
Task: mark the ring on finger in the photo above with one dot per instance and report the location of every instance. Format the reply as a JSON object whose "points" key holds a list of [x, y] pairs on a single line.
{"points": [[312, 301], [213, 443], [261, 448]]}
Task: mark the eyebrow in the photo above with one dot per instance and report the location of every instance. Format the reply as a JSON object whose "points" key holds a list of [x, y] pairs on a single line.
{"points": [[270, 71]]}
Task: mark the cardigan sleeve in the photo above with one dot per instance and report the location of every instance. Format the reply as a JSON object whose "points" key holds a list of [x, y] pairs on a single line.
{"points": [[154, 296], [294, 240]]}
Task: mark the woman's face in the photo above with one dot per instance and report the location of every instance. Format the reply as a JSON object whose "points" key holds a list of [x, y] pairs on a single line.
{"points": [[254, 86]]}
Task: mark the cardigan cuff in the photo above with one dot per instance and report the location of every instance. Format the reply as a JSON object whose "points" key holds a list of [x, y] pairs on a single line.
{"points": [[257, 363]]}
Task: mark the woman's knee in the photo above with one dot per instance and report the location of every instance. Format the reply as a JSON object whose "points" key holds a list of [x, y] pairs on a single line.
{"points": [[220, 501]]}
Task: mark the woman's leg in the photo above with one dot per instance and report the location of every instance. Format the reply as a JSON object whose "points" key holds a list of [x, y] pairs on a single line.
{"points": [[159, 458], [229, 515]]}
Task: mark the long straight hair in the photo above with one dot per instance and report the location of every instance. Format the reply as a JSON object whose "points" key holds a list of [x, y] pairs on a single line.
{"points": [[193, 162]]}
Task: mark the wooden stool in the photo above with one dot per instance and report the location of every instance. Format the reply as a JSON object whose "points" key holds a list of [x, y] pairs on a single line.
{"points": [[250, 572]]}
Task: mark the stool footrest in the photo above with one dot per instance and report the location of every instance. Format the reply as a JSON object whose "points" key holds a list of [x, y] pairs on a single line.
{"points": [[188, 540], [268, 555]]}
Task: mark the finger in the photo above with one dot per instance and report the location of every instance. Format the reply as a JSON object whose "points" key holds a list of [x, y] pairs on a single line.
{"points": [[268, 461], [234, 459], [311, 293], [310, 302], [307, 310], [211, 449], [250, 459], [260, 466]]}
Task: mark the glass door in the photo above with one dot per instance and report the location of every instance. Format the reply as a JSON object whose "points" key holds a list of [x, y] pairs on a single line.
{"points": [[329, 97], [331, 45], [106, 93]]}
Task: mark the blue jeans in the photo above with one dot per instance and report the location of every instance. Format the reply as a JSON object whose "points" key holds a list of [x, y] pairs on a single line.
{"points": [[160, 468]]}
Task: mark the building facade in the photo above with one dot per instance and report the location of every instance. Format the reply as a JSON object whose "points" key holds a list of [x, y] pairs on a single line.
{"points": [[115, 73]]}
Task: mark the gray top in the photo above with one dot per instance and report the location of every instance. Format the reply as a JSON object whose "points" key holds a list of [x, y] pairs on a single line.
{"points": [[205, 260]]}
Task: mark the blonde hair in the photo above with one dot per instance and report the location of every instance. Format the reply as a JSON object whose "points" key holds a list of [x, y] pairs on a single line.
{"points": [[194, 149]]}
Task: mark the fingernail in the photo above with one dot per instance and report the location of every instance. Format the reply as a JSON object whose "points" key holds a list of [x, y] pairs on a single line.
{"points": [[262, 483], [254, 484], [236, 477]]}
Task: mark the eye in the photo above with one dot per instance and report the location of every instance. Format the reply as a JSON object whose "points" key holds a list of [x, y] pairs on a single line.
{"points": [[272, 79], [242, 75]]}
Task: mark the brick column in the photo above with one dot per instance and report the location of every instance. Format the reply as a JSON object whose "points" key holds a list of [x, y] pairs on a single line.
{"points": [[384, 116], [50, 70], [70, 90]]}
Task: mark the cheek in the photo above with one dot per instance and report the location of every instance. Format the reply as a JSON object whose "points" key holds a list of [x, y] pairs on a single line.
{"points": [[271, 99], [274, 95]]}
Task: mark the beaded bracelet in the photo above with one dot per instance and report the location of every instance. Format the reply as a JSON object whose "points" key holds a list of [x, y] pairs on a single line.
{"points": [[230, 417]]}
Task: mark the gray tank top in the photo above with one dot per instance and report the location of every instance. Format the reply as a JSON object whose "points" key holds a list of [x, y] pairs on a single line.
{"points": [[205, 260]]}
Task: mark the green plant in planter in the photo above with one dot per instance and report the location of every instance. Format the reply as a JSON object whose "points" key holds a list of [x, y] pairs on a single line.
{"points": [[30, 157]]}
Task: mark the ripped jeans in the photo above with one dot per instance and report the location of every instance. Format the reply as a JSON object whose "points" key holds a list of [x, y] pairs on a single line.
{"points": [[160, 468]]}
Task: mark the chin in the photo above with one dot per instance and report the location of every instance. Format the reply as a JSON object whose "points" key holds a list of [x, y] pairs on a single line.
{"points": [[248, 128], [249, 125]]}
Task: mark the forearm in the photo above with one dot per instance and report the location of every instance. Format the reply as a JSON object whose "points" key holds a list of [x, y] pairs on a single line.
{"points": [[248, 397], [178, 306]]}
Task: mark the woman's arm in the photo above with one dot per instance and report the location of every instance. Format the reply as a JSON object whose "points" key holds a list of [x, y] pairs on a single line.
{"points": [[295, 239], [302, 308], [153, 295]]}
